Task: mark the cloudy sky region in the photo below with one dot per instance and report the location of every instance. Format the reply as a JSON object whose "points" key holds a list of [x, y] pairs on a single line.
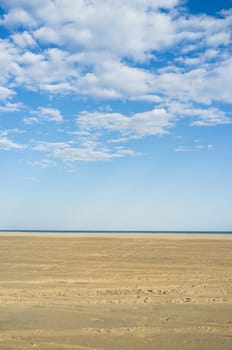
{"points": [[116, 114]]}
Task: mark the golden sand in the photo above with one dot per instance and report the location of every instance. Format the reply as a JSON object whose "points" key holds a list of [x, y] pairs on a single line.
{"points": [[115, 292]]}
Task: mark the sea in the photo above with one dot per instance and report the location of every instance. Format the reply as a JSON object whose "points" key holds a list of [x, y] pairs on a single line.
{"points": [[120, 231]]}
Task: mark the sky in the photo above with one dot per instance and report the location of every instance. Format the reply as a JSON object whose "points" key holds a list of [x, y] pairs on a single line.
{"points": [[115, 115]]}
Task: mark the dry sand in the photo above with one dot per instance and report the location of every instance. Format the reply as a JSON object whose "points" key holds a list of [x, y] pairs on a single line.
{"points": [[104, 292]]}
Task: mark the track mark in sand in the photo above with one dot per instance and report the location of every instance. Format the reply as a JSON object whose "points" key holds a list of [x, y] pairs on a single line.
{"points": [[55, 297], [55, 346], [130, 253], [220, 329]]}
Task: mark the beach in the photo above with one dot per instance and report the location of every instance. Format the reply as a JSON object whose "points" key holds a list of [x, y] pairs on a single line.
{"points": [[115, 291]]}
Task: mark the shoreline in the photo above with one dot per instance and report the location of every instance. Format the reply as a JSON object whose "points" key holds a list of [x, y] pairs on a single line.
{"points": [[119, 235]]}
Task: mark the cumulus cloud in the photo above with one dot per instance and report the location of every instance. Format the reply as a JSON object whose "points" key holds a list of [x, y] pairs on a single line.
{"points": [[8, 68], [67, 152], [11, 107], [5, 93], [31, 120], [125, 28], [18, 17], [154, 52], [51, 70], [24, 39], [152, 122], [87, 144], [96, 47], [50, 114], [210, 117], [43, 114], [7, 144], [199, 116]]}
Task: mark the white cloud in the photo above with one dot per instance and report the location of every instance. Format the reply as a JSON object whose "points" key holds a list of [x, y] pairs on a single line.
{"points": [[43, 163], [8, 68], [183, 149], [98, 44], [125, 27], [31, 120], [212, 120], [44, 114], [50, 114], [133, 50], [18, 17], [4, 133], [218, 39], [84, 154], [204, 116], [152, 122], [24, 40], [205, 84], [200, 58], [11, 107], [211, 116], [68, 153], [50, 70], [212, 31], [118, 79], [47, 35], [218, 84], [7, 144], [196, 146], [5, 93]]}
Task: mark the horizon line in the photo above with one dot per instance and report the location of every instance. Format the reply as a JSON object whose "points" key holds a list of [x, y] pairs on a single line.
{"points": [[118, 231]]}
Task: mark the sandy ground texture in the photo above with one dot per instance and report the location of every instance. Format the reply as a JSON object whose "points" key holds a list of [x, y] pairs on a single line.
{"points": [[104, 292]]}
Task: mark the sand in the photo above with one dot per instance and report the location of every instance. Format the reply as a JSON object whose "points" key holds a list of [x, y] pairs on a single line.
{"points": [[115, 292]]}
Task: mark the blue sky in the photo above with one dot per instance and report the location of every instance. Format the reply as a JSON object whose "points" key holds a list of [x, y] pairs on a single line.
{"points": [[115, 114]]}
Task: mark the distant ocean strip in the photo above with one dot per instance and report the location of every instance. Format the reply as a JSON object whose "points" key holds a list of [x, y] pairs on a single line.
{"points": [[120, 231]]}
